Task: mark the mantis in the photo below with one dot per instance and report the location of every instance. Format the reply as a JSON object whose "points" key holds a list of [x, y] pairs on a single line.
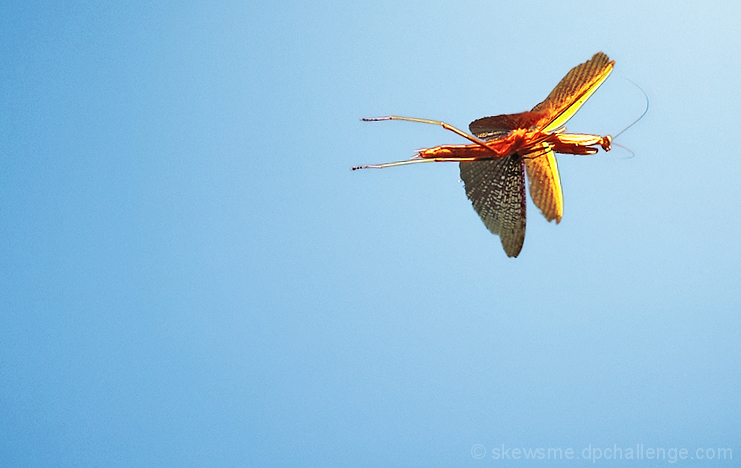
{"points": [[503, 148]]}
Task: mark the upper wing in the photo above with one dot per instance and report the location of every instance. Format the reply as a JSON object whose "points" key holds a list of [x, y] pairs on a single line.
{"points": [[497, 126], [545, 183], [573, 91], [496, 187]]}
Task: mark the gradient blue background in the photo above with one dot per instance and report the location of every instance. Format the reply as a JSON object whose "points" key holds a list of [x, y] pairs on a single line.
{"points": [[190, 274]]}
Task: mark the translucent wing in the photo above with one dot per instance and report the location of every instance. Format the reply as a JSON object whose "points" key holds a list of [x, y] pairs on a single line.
{"points": [[573, 91], [496, 188], [545, 183]]}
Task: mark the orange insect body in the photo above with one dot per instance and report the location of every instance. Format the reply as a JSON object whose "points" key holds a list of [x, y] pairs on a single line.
{"points": [[505, 147], [518, 140], [499, 147]]}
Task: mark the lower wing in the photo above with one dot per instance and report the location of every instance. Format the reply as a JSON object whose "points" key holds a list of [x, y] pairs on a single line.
{"points": [[545, 182], [496, 187]]}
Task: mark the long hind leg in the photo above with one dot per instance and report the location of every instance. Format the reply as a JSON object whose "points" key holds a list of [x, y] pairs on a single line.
{"points": [[431, 122], [417, 159]]}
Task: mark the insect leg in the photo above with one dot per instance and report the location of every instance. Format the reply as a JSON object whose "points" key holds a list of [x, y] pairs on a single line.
{"points": [[431, 122]]}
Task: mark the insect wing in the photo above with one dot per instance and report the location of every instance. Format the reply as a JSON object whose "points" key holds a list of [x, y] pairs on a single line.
{"points": [[573, 91], [499, 126], [545, 183], [497, 190]]}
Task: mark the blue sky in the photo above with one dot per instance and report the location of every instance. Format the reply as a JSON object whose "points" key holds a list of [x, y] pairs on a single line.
{"points": [[191, 275]]}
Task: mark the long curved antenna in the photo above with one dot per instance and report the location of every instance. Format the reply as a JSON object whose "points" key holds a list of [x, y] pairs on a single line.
{"points": [[644, 112], [632, 153], [432, 122]]}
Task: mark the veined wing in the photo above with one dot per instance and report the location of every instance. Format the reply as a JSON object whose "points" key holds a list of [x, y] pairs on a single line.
{"points": [[498, 126], [496, 187], [545, 182], [573, 91]]}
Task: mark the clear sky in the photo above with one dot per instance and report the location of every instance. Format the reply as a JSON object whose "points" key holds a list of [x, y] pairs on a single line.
{"points": [[191, 275]]}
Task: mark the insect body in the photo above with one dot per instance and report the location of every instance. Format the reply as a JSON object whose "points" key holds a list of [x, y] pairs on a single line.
{"points": [[505, 147]]}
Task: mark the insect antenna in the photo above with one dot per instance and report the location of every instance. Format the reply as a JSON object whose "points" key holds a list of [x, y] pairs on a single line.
{"points": [[645, 111]]}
